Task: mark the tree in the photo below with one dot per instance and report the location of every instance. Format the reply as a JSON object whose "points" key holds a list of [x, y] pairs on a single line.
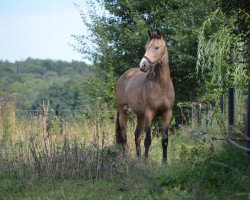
{"points": [[65, 95], [223, 51], [118, 36], [34, 79]]}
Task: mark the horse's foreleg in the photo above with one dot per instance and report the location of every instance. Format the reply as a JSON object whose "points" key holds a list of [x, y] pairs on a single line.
{"points": [[138, 135], [166, 120], [148, 120], [121, 136]]}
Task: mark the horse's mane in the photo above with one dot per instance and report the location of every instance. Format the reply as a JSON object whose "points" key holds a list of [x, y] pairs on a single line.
{"points": [[154, 35]]}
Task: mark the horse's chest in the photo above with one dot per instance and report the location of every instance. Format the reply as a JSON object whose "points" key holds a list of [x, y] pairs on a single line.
{"points": [[162, 101], [158, 100]]}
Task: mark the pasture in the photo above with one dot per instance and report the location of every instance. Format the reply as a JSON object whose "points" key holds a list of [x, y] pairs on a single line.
{"points": [[82, 162]]}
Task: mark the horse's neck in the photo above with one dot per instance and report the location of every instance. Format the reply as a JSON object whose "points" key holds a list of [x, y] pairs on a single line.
{"points": [[162, 72]]}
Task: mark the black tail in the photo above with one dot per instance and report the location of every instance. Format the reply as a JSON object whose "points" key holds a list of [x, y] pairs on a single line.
{"points": [[118, 130]]}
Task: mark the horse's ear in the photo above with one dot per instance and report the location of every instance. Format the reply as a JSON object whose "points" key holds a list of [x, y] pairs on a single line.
{"points": [[158, 33], [149, 34]]}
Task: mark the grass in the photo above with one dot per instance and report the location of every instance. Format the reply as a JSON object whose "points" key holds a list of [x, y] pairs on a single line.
{"points": [[83, 163], [63, 189], [198, 169]]}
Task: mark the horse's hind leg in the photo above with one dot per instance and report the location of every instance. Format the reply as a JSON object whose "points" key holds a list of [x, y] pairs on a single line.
{"points": [[166, 120], [121, 136], [138, 135]]}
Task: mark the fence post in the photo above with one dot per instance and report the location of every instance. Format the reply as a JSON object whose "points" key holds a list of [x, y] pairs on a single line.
{"points": [[199, 114], [248, 123], [207, 116], [192, 114], [231, 107], [222, 103]]}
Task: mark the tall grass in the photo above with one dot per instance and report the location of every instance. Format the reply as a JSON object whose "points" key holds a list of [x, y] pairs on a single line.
{"points": [[7, 119], [84, 151]]}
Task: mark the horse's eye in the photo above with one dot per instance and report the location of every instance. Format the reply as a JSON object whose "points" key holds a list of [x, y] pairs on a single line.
{"points": [[156, 48]]}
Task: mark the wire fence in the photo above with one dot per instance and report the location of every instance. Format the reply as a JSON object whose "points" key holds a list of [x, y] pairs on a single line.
{"points": [[65, 114], [195, 110], [201, 112]]}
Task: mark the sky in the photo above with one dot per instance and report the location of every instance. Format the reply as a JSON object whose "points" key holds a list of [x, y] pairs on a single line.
{"points": [[40, 29]]}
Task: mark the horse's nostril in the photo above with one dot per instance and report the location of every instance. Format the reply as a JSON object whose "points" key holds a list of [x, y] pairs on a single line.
{"points": [[143, 67]]}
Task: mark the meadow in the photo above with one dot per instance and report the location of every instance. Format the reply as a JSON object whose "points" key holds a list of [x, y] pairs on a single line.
{"points": [[45, 154], [79, 160]]}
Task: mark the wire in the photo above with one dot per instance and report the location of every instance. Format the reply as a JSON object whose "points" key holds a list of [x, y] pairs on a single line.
{"points": [[232, 142]]}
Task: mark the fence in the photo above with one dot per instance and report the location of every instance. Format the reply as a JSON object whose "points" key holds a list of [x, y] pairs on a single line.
{"points": [[63, 118], [69, 115], [231, 115]]}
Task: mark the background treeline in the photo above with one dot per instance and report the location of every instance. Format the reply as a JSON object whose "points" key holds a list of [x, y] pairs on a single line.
{"points": [[32, 81]]}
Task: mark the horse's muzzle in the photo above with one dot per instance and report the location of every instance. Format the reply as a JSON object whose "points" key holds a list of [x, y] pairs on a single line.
{"points": [[144, 65]]}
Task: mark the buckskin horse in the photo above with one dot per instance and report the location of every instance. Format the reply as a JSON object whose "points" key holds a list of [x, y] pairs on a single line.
{"points": [[148, 92]]}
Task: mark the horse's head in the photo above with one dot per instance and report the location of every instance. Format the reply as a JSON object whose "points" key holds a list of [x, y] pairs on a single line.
{"points": [[155, 49]]}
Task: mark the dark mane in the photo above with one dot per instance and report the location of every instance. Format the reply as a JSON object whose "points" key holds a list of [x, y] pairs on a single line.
{"points": [[155, 35]]}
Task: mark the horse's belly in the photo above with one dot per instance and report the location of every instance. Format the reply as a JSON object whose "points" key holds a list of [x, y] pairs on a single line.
{"points": [[135, 102], [134, 98]]}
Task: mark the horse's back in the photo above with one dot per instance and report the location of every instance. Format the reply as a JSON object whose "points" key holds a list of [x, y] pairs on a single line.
{"points": [[132, 73], [128, 87]]}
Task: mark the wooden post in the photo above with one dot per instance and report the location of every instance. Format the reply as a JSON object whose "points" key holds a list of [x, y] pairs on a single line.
{"points": [[213, 105], [222, 103], [46, 127], [192, 114], [199, 114], [248, 124], [207, 116], [231, 107]]}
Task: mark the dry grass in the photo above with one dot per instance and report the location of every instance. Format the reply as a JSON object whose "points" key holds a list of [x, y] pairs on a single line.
{"points": [[84, 150]]}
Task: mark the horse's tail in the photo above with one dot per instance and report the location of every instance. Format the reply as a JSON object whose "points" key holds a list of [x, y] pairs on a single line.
{"points": [[117, 129]]}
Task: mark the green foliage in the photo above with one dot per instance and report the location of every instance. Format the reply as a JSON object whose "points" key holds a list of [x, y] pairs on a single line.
{"points": [[200, 169], [223, 51], [10, 189], [66, 95], [118, 33], [35, 80]]}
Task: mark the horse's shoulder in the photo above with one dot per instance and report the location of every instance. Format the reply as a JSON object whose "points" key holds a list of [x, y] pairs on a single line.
{"points": [[133, 71], [126, 74]]}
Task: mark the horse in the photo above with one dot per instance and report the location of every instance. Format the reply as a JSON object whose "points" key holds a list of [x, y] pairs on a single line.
{"points": [[148, 92]]}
